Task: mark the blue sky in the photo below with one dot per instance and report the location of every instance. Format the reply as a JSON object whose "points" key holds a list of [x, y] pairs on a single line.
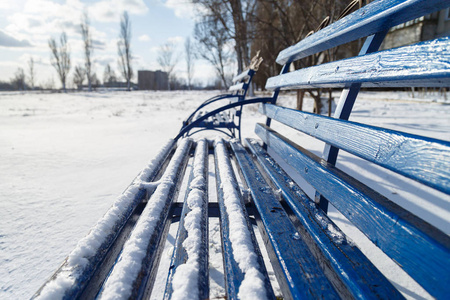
{"points": [[26, 26]]}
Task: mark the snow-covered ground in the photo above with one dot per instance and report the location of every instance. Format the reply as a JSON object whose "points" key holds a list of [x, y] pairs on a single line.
{"points": [[65, 158]]}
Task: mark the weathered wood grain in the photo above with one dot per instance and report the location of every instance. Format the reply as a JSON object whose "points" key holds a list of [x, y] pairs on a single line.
{"points": [[423, 159], [420, 249], [370, 19], [297, 271], [426, 64]]}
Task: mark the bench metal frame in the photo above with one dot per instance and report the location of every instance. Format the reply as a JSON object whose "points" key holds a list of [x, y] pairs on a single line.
{"points": [[228, 125]]}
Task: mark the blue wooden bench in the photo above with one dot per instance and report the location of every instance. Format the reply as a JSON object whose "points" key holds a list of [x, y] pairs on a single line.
{"points": [[310, 256]]}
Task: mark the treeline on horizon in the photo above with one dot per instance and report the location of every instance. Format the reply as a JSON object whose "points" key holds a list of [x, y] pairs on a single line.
{"points": [[227, 34]]}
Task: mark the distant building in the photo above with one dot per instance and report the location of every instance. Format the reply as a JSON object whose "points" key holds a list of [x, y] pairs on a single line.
{"points": [[424, 28], [153, 80]]}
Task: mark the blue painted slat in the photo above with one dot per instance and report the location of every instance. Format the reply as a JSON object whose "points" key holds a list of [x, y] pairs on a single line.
{"points": [[374, 17], [233, 273], [141, 285], [298, 273], [198, 184], [83, 276], [347, 268], [420, 249], [345, 106], [420, 158], [243, 76], [389, 68], [236, 87]]}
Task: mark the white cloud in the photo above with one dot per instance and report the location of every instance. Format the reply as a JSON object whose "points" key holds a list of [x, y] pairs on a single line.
{"points": [[110, 10], [176, 39], [9, 41], [144, 38], [182, 9]]}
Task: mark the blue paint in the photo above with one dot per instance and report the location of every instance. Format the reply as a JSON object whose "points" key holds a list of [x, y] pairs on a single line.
{"points": [[423, 159], [389, 68], [345, 106], [352, 271], [237, 91], [419, 248], [233, 274], [198, 121], [79, 286], [180, 256], [374, 17], [298, 273]]}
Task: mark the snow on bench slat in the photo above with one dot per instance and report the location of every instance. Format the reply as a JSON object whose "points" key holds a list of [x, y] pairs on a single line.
{"points": [[120, 283], [185, 282], [253, 286], [82, 261]]}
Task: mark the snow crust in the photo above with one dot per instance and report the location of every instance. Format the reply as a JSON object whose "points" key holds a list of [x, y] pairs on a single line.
{"points": [[185, 279], [119, 284], [88, 247], [252, 287]]}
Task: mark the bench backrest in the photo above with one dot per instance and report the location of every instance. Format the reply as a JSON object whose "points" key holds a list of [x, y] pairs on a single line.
{"points": [[241, 83], [420, 249]]}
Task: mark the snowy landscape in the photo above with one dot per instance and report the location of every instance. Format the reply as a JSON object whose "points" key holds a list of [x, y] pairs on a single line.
{"points": [[65, 158]]}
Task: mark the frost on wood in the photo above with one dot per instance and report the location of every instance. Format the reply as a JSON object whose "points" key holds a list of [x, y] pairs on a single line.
{"points": [[185, 279], [119, 285], [88, 252], [252, 287]]}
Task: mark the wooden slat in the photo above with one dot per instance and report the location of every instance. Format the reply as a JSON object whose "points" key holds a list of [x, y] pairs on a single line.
{"points": [[88, 279], [236, 87], [244, 75], [345, 265], [370, 19], [228, 188], [195, 208], [135, 270], [389, 68], [420, 249], [298, 273], [423, 159]]}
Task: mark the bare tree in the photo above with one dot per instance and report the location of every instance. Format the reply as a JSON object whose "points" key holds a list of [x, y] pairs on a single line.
{"points": [[88, 47], [190, 58], [18, 81], [109, 76], [235, 17], [212, 45], [60, 58], [124, 49], [167, 59], [31, 70], [78, 77]]}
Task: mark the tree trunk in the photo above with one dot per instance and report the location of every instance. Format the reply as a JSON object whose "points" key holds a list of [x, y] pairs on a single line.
{"points": [[300, 96]]}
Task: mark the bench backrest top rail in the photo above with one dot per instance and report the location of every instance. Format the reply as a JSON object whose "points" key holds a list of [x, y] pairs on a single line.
{"points": [[236, 87], [389, 68], [375, 17], [242, 81], [243, 76]]}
